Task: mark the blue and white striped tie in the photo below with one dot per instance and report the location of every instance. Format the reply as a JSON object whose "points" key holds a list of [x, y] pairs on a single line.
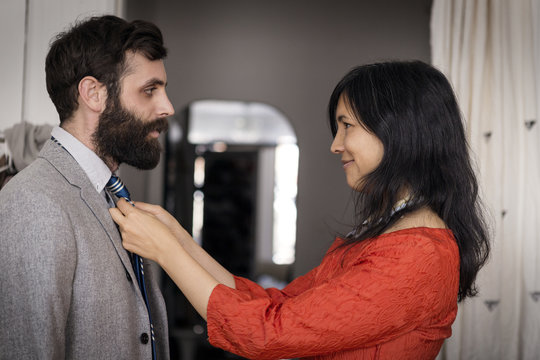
{"points": [[116, 186]]}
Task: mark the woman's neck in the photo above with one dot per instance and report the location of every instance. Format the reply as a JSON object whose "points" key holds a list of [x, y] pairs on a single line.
{"points": [[423, 217]]}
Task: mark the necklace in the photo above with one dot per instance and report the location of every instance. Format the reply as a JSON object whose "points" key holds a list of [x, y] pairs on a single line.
{"points": [[398, 206]]}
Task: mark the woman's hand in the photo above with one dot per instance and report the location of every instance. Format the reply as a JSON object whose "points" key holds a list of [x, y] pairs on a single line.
{"points": [[153, 233], [143, 230], [162, 215]]}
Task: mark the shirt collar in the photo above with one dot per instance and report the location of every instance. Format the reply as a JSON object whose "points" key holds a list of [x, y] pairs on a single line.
{"points": [[96, 170]]}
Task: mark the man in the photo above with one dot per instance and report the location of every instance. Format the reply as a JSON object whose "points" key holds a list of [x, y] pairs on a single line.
{"points": [[68, 288]]}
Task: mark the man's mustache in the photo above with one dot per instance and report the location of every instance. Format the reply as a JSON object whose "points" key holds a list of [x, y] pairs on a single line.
{"points": [[160, 125]]}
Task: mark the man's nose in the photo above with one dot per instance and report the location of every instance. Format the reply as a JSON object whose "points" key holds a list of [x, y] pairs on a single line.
{"points": [[165, 107]]}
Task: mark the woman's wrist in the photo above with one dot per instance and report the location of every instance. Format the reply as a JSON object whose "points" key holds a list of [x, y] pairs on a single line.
{"points": [[183, 237], [170, 253]]}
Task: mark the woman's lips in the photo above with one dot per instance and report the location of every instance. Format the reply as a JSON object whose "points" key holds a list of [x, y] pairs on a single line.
{"points": [[347, 163]]}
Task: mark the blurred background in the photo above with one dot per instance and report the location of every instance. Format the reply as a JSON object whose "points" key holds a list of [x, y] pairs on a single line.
{"points": [[248, 168]]}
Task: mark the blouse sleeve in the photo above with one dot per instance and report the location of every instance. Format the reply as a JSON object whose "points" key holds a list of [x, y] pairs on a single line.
{"points": [[386, 293], [296, 287]]}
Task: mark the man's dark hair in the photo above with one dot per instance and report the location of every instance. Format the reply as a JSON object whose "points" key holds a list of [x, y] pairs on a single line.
{"points": [[96, 47], [412, 109]]}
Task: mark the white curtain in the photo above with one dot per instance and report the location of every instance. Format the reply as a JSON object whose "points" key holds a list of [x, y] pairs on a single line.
{"points": [[490, 51]]}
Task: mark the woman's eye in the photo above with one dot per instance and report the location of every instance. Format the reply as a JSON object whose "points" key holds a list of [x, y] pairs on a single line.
{"points": [[346, 125]]}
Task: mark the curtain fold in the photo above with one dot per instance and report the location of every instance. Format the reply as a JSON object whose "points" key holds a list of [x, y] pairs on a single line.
{"points": [[489, 49]]}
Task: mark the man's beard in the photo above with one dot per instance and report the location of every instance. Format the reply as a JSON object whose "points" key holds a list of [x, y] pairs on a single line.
{"points": [[122, 137]]}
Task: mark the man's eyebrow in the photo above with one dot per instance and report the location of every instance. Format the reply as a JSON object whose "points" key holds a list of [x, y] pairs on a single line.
{"points": [[154, 81]]}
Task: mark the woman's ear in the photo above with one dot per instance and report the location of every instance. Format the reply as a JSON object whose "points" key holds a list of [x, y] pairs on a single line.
{"points": [[92, 93]]}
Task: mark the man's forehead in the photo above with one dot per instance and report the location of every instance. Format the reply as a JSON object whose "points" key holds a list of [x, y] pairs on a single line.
{"points": [[141, 69]]}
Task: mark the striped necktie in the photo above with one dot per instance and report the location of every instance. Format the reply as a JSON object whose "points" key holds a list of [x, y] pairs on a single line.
{"points": [[116, 187]]}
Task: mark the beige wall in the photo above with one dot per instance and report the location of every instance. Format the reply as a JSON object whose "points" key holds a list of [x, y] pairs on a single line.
{"points": [[289, 54], [26, 28], [12, 15]]}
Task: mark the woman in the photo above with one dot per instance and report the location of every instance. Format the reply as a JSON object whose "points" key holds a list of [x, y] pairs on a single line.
{"points": [[387, 290]]}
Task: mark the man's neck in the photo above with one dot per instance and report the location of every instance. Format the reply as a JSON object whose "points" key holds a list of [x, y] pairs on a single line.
{"points": [[85, 136]]}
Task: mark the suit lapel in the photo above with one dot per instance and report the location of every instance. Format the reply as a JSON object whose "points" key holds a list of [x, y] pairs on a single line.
{"points": [[75, 175]]}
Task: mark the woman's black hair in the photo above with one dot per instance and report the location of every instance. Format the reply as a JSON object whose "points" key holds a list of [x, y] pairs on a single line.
{"points": [[412, 109]]}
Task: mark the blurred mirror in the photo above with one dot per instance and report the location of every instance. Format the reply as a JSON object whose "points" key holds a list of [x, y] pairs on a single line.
{"points": [[231, 180]]}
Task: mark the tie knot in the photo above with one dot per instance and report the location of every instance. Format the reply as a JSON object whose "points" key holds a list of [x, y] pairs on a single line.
{"points": [[116, 186]]}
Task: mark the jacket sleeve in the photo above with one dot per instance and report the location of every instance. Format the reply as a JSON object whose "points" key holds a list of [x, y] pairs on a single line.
{"points": [[37, 263], [384, 294]]}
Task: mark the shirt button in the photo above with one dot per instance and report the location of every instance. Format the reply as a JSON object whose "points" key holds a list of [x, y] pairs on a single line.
{"points": [[144, 338]]}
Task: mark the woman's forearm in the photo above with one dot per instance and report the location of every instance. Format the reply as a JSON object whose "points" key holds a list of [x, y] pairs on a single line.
{"points": [[214, 268], [187, 242], [191, 278], [153, 233]]}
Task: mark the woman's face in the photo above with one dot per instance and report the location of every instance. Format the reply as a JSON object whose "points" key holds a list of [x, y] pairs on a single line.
{"points": [[361, 151]]}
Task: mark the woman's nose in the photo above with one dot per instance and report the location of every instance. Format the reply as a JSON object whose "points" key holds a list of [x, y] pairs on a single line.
{"points": [[337, 144]]}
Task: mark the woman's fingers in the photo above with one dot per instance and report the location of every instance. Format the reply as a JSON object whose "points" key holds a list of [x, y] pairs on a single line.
{"points": [[159, 213], [141, 229], [119, 213], [153, 209], [124, 206], [117, 216]]}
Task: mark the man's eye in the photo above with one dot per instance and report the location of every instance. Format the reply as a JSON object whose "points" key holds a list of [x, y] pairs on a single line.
{"points": [[149, 91]]}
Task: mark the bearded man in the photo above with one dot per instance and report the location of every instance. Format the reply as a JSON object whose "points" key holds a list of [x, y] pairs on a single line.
{"points": [[68, 288]]}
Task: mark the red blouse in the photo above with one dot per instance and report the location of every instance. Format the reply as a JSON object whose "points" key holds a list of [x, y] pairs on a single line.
{"points": [[390, 297]]}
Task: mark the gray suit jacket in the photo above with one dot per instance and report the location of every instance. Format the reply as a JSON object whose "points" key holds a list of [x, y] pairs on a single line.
{"points": [[67, 287]]}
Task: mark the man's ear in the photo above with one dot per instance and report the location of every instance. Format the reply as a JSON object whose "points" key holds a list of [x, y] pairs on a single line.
{"points": [[93, 93]]}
